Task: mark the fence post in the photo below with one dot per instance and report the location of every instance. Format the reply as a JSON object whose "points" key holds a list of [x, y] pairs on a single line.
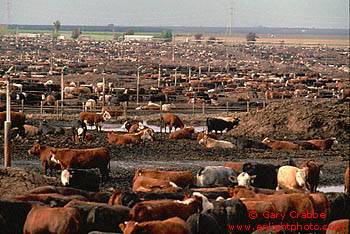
{"points": [[203, 107], [41, 107], [161, 117], [247, 106], [57, 112], [264, 103], [193, 107], [226, 108], [22, 106], [125, 104]]}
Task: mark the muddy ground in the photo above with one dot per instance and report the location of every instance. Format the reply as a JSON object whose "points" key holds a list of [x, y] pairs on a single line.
{"points": [[288, 120]]}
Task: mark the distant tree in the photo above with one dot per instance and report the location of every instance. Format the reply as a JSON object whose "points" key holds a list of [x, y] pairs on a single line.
{"points": [[129, 32], [167, 35], [116, 36], [251, 37], [57, 26], [76, 33], [198, 36]]}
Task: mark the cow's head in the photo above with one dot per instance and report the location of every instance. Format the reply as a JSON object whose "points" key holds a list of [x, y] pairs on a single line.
{"points": [[301, 176], [243, 179], [129, 227], [65, 177], [106, 115], [35, 149]]}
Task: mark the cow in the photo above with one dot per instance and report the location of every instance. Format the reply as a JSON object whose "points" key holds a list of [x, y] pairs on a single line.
{"points": [[43, 152], [148, 184], [346, 182], [164, 209], [281, 145], [49, 100], [237, 166], [243, 179], [51, 199], [313, 175], [31, 130], [214, 176], [220, 125], [90, 105], [201, 134], [324, 144], [184, 133], [45, 128], [113, 111], [339, 205], [83, 159], [180, 178], [115, 138], [79, 130], [171, 121], [204, 223], [132, 128], [52, 220], [292, 177], [340, 226], [172, 225], [212, 143], [94, 118], [244, 143], [17, 119], [266, 174], [86, 179]]}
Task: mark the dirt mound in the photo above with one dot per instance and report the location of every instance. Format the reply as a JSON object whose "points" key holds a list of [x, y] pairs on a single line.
{"points": [[15, 181], [294, 120]]}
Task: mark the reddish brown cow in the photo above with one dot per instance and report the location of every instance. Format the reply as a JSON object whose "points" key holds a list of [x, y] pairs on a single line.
{"points": [[164, 209], [147, 184], [184, 133], [237, 166], [43, 152], [171, 121], [52, 199], [113, 111], [17, 119], [203, 133], [346, 182], [285, 145], [180, 178], [313, 174], [259, 208], [50, 100], [122, 139], [324, 144], [82, 158], [340, 226], [52, 220], [94, 118], [173, 225]]}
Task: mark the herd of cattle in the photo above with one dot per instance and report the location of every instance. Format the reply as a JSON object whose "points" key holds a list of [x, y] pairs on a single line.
{"points": [[173, 202]]}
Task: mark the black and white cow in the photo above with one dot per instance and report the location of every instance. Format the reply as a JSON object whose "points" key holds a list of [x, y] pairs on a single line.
{"points": [[79, 130], [86, 179], [214, 176], [46, 128], [220, 124]]}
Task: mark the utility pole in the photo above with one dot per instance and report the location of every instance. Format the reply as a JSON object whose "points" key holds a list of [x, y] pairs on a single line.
{"points": [[7, 124]]}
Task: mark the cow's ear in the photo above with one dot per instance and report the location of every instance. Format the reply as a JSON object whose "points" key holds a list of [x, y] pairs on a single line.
{"points": [[252, 178], [122, 226], [233, 179]]}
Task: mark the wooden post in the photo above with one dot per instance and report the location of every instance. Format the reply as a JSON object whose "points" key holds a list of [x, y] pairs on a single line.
{"points": [[125, 106], [247, 106], [203, 107], [161, 117], [22, 106], [264, 103], [103, 91], [159, 76], [226, 107], [41, 107], [193, 107], [57, 110], [7, 125]]}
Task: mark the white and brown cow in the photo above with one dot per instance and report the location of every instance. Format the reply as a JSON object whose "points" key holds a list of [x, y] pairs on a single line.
{"points": [[289, 177]]}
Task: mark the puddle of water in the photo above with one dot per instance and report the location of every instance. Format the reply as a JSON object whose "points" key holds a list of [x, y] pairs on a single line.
{"points": [[332, 188]]}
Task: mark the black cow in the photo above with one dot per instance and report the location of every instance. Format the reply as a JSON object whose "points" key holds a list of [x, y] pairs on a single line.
{"points": [[231, 212], [220, 125], [266, 174], [204, 223], [79, 130], [86, 179], [46, 128], [243, 143], [157, 98], [339, 204]]}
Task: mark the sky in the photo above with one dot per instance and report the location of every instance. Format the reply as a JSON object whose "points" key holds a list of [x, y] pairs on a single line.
{"points": [[204, 13]]}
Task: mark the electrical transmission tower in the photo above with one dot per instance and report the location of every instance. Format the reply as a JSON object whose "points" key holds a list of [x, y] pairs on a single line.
{"points": [[230, 25]]}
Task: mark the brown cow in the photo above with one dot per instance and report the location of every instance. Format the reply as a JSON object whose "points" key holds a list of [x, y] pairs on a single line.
{"points": [[43, 152], [17, 119], [346, 182], [147, 184], [184, 133], [94, 118], [313, 175], [31, 130], [52, 199], [285, 145], [49, 100], [324, 144], [212, 143], [237, 166], [52, 220], [82, 158], [201, 134], [180, 178], [173, 225], [171, 121], [340, 226], [113, 111], [164, 209], [122, 139]]}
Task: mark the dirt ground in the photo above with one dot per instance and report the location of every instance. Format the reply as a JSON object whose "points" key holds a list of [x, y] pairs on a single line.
{"points": [[289, 120]]}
